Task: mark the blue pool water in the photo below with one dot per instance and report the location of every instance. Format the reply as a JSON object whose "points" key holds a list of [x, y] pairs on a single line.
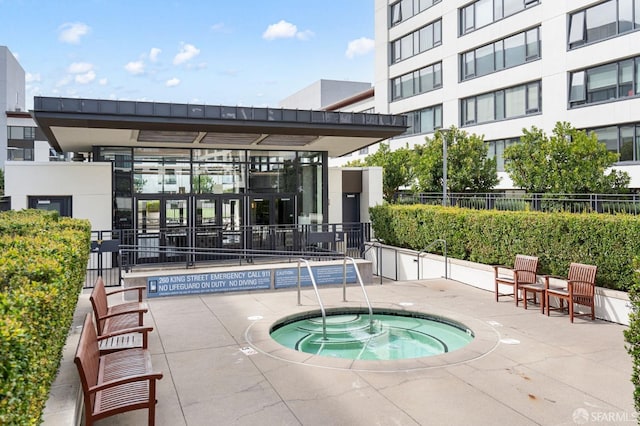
{"points": [[392, 337]]}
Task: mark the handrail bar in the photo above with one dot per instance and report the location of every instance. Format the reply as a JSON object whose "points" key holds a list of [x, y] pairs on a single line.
{"points": [[315, 287], [378, 256], [424, 251], [344, 291]]}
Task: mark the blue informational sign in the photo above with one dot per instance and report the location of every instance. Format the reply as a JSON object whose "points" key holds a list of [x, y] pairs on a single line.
{"points": [[324, 274], [209, 282]]}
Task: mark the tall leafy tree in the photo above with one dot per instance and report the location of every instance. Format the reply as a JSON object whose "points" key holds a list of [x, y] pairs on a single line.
{"points": [[397, 168], [1, 182], [569, 161], [468, 167]]}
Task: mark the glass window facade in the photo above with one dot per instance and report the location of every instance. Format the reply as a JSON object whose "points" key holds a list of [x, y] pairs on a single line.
{"points": [[602, 21], [405, 9], [511, 102], [481, 13], [416, 82], [616, 80], [148, 172], [417, 42], [509, 52]]}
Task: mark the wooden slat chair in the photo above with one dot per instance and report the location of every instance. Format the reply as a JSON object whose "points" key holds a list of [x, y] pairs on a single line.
{"points": [[579, 290], [114, 383], [123, 323], [523, 272]]}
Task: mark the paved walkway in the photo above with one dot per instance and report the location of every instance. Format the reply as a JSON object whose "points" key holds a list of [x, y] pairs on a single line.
{"points": [[524, 368]]}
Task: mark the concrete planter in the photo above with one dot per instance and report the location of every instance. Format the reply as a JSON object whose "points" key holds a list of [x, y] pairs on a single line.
{"points": [[404, 264]]}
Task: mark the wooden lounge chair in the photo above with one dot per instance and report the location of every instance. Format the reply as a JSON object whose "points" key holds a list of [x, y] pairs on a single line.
{"points": [[112, 321], [523, 272], [115, 383], [580, 290]]}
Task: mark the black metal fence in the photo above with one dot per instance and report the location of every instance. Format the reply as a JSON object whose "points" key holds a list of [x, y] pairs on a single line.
{"points": [[574, 203], [114, 250]]}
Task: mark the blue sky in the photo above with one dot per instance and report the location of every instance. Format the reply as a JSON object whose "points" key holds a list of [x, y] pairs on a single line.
{"points": [[233, 52]]}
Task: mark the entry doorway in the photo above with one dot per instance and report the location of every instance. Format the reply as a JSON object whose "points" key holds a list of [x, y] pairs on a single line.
{"points": [[271, 217], [350, 208], [166, 223]]}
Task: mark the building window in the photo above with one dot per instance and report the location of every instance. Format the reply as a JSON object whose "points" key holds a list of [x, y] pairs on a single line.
{"points": [[425, 120], [509, 52], [481, 13], [405, 9], [496, 150], [416, 82], [605, 82], [417, 42], [512, 102], [21, 133], [623, 140], [602, 21]]}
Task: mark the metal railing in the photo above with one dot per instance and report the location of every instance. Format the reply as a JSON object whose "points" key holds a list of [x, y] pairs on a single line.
{"points": [[315, 288], [364, 292], [425, 251], [574, 203]]}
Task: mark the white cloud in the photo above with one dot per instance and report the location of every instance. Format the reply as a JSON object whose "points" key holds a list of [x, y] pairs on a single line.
{"points": [[71, 32], [304, 35], [86, 78], [359, 47], [135, 67], [187, 52], [153, 54], [103, 82], [30, 78], [282, 29], [219, 27], [63, 81], [80, 67], [173, 82]]}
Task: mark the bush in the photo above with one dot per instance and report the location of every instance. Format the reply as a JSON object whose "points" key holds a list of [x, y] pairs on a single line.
{"points": [[495, 237], [632, 334], [43, 260]]}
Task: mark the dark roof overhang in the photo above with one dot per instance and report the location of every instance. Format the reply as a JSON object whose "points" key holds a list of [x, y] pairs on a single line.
{"points": [[76, 125]]}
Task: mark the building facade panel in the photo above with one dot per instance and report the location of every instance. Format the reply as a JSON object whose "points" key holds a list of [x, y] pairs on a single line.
{"points": [[481, 34]]}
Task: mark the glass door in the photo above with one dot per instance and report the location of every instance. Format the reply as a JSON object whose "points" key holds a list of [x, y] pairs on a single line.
{"points": [[175, 219], [260, 219], [284, 213], [148, 230], [231, 222], [272, 219]]}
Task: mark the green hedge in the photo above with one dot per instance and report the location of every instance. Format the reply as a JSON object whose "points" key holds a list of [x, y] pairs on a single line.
{"points": [[43, 260], [632, 334], [494, 237]]}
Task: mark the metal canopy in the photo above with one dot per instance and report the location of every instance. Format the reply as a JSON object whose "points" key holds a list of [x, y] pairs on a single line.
{"points": [[76, 125]]}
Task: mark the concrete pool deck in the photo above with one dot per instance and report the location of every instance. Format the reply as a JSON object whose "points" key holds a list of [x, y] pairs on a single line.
{"points": [[523, 369]]}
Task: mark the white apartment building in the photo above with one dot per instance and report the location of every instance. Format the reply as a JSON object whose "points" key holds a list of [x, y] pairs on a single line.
{"points": [[494, 67]]}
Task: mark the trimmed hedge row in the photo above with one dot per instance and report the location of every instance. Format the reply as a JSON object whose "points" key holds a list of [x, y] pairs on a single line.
{"points": [[632, 334], [494, 237], [43, 259]]}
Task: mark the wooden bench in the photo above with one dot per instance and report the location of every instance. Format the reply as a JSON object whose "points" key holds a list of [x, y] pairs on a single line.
{"points": [[120, 325], [523, 272], [114, 383]]}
